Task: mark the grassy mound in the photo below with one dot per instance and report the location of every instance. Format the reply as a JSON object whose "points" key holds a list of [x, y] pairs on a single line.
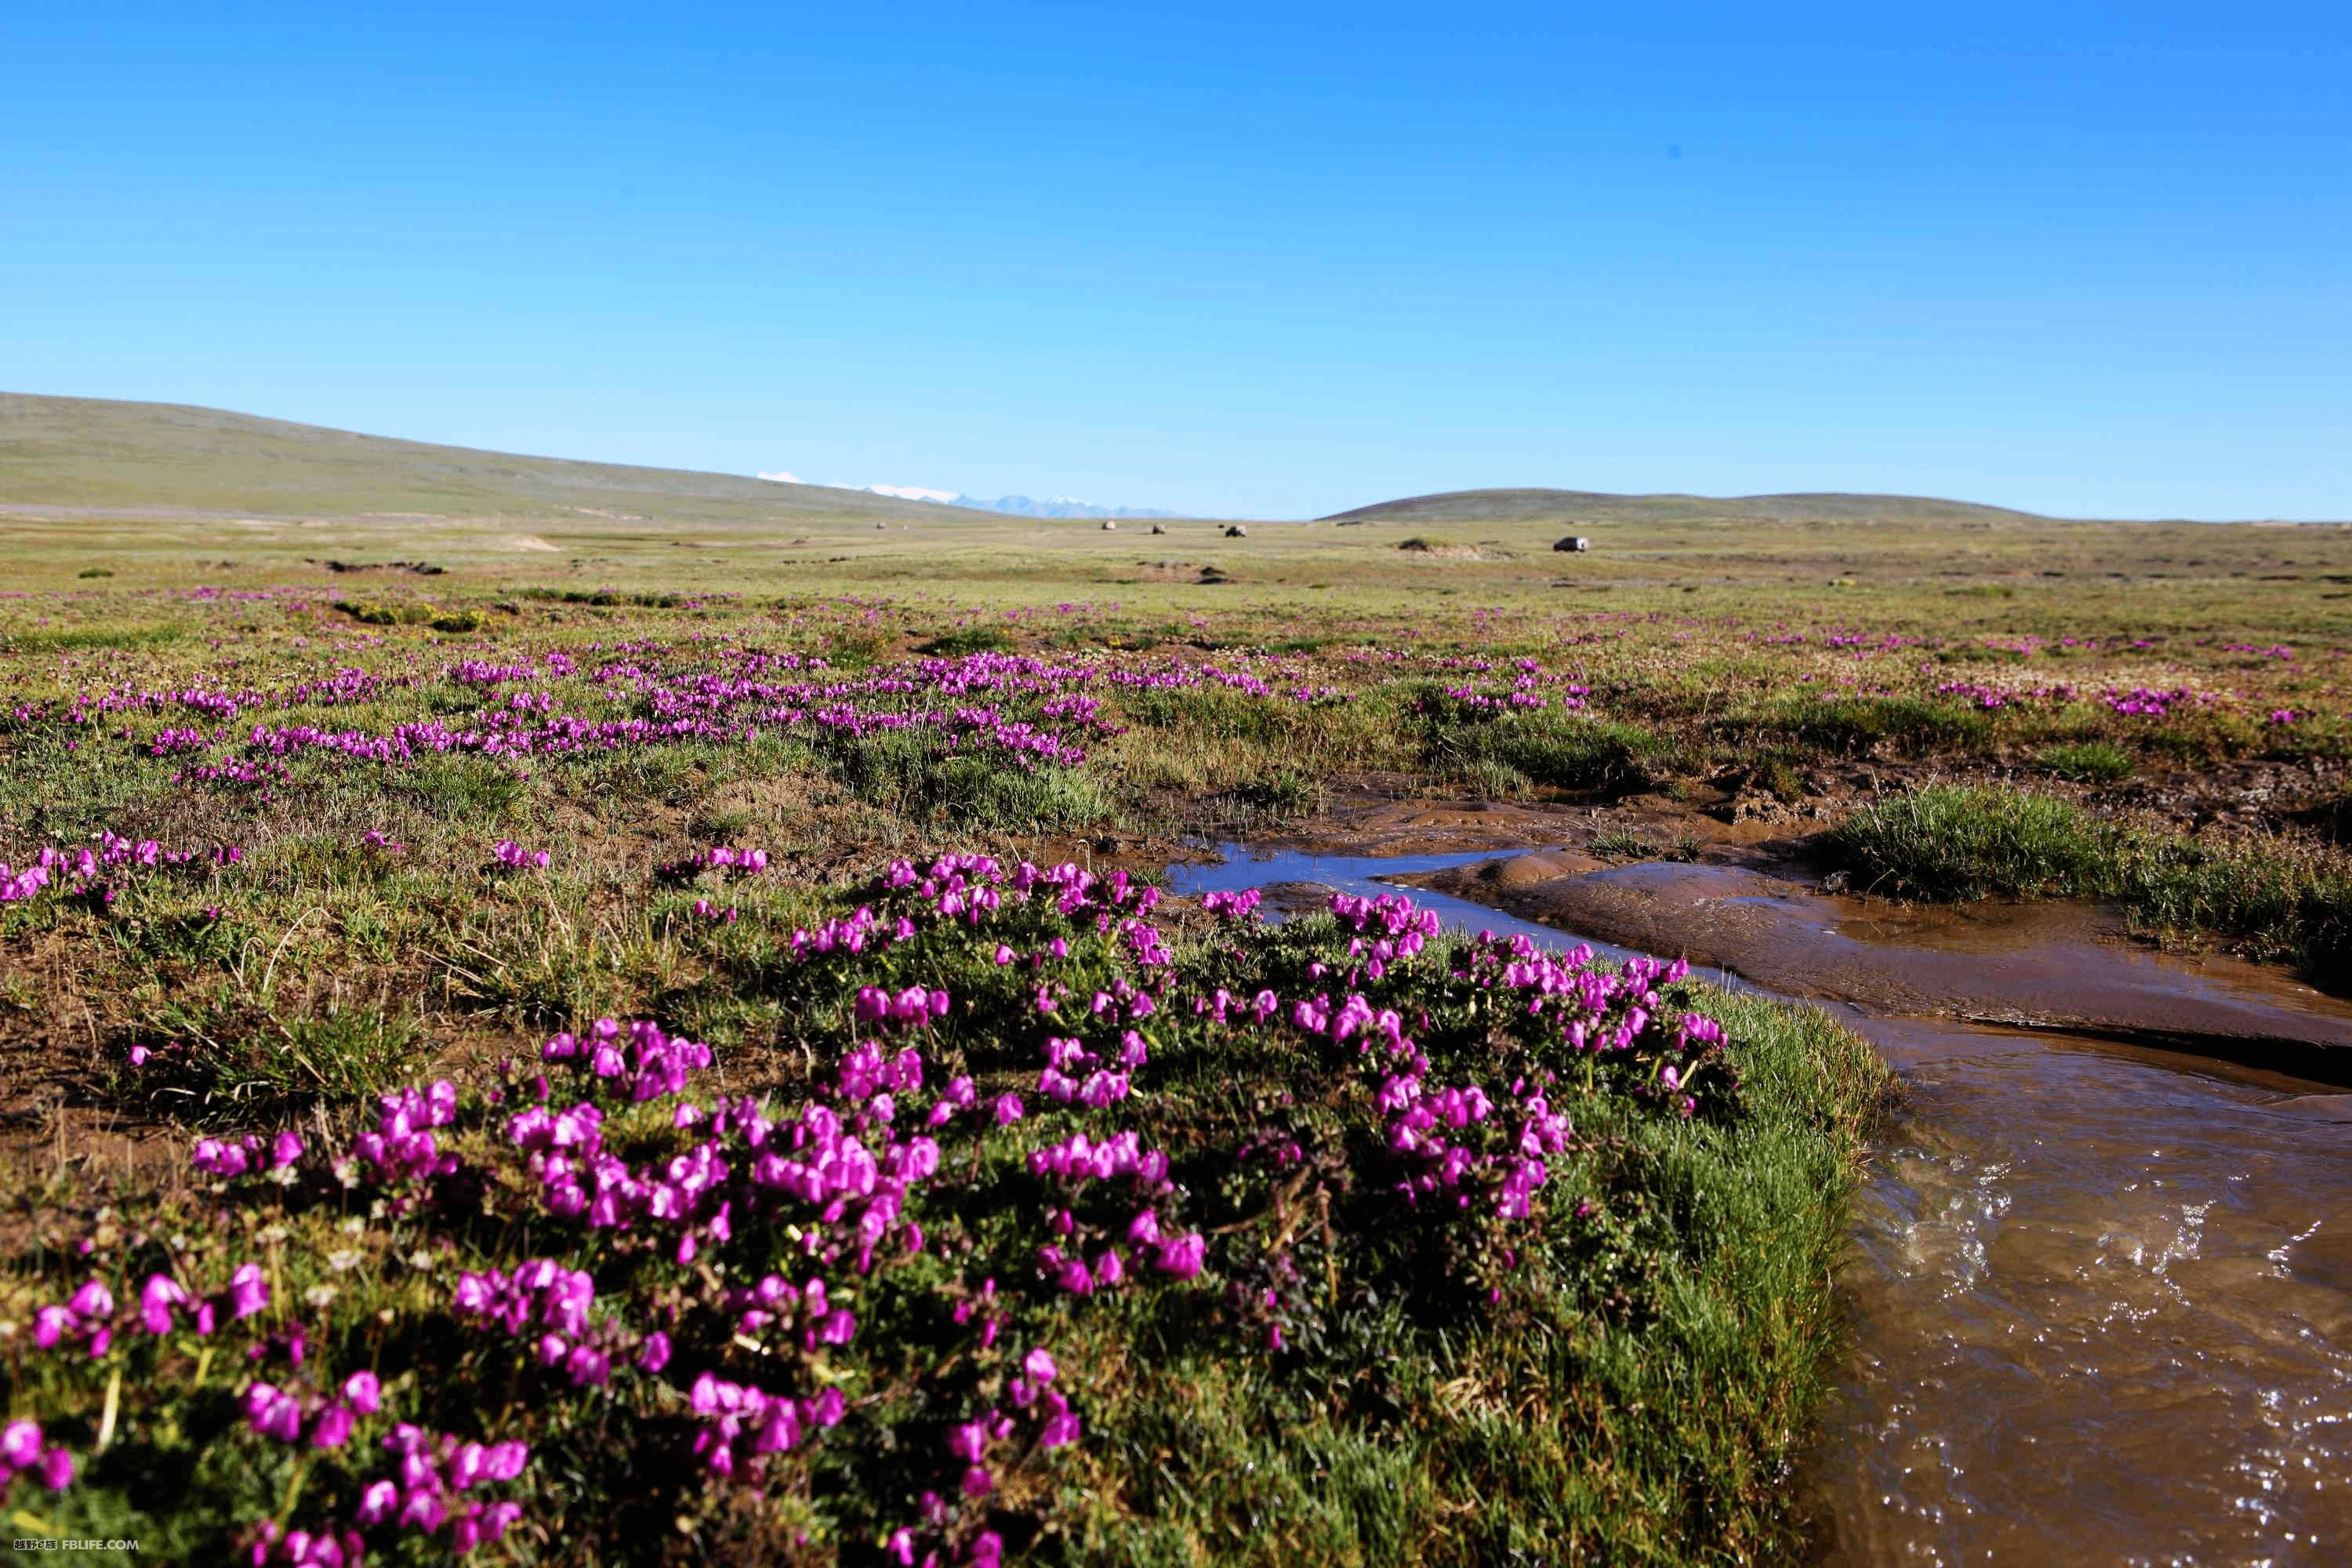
{"points": [[1957, 842], [2276, 896]]}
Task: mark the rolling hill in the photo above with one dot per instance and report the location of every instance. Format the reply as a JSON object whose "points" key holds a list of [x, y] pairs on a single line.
{"points": [[93, 455], [1592, 506]]}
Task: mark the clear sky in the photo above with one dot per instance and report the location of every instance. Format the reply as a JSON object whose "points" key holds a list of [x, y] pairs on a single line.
{"points": [[1236, 258]]}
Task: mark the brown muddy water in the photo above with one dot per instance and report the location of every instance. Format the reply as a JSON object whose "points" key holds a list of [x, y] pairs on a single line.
{"points": [[2101, 1282]]}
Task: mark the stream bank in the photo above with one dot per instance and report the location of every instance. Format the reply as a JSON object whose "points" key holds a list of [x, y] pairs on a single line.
{"points": [[2101, 1280]]}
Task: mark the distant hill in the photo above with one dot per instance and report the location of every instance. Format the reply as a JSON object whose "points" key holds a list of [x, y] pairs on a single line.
{"points": [[93, 455], [1592, 506]]}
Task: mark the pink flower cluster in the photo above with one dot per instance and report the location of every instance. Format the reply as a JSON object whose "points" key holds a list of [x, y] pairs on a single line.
{"points": [[402, 1147], [1102, 1085], [994, 1431], [680, 1200], [1992, 699], [1238, 906], [515, 857], [1395, 914], [88, 1316], [86, 869], [2145, 702], [273, 1412], [654, 1063], [24, 1451], [431, 1467], [234, 1157], [544, 1294], [913, 1005], [774, 1422]]}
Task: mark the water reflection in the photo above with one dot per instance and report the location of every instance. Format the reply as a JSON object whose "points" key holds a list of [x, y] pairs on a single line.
{"points": [[1312, 878]]}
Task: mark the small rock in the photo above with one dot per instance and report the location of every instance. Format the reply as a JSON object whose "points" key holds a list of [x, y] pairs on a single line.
{"points": [[1759, 807]]}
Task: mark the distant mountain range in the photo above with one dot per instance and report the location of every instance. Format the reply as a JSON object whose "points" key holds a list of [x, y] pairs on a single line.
{"points": [[1016, 506], [1058, 506]]}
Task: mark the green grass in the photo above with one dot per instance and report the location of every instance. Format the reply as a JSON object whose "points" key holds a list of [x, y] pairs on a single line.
{"points": [[1958, 842], [239, 1062], [1282, 796], [1908, 724], [462, 787], [2275, 896], [1550, 748], [913, 773], [1777, 776], [2089, 762], [94, 639], [965, 640]]}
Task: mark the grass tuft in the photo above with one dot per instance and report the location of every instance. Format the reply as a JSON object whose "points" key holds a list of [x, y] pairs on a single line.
{"points": [[2089, 762], [1962, 842], [2274, 896]]}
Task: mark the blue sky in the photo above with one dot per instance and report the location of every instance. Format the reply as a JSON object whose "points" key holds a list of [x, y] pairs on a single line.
{"points": [[1237, 259]]}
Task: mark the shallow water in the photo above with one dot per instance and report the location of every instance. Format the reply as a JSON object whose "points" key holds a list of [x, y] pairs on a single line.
{"points": [[1285, 872], [2101, 1312], [2101, 1295], [2048, 966]]}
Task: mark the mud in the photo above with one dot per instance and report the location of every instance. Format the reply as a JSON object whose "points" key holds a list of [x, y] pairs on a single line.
{"points": [[2043, 966], [1366, 823], [1374, 815]]}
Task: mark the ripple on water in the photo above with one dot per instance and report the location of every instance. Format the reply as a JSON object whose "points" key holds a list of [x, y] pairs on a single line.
{"points": [[2095, 1320]]}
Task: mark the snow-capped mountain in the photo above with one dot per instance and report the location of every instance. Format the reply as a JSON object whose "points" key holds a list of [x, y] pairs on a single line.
{"points": [[1058, 506], [1016, 506]]}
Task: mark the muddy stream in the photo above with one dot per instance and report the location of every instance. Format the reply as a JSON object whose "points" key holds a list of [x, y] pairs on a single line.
{"points": [[2101, 1280]]}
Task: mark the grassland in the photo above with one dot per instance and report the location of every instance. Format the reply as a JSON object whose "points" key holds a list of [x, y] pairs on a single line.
{"points": [[1359, 1326]]}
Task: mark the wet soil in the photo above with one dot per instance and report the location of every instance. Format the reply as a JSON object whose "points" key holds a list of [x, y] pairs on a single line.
{"points": [[1365, 823], [1732, 815], [2046, 966]]}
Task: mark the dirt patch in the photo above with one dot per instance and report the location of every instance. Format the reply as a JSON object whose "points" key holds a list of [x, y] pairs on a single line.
{"points": [[1373, 826], [1435, 550]]}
